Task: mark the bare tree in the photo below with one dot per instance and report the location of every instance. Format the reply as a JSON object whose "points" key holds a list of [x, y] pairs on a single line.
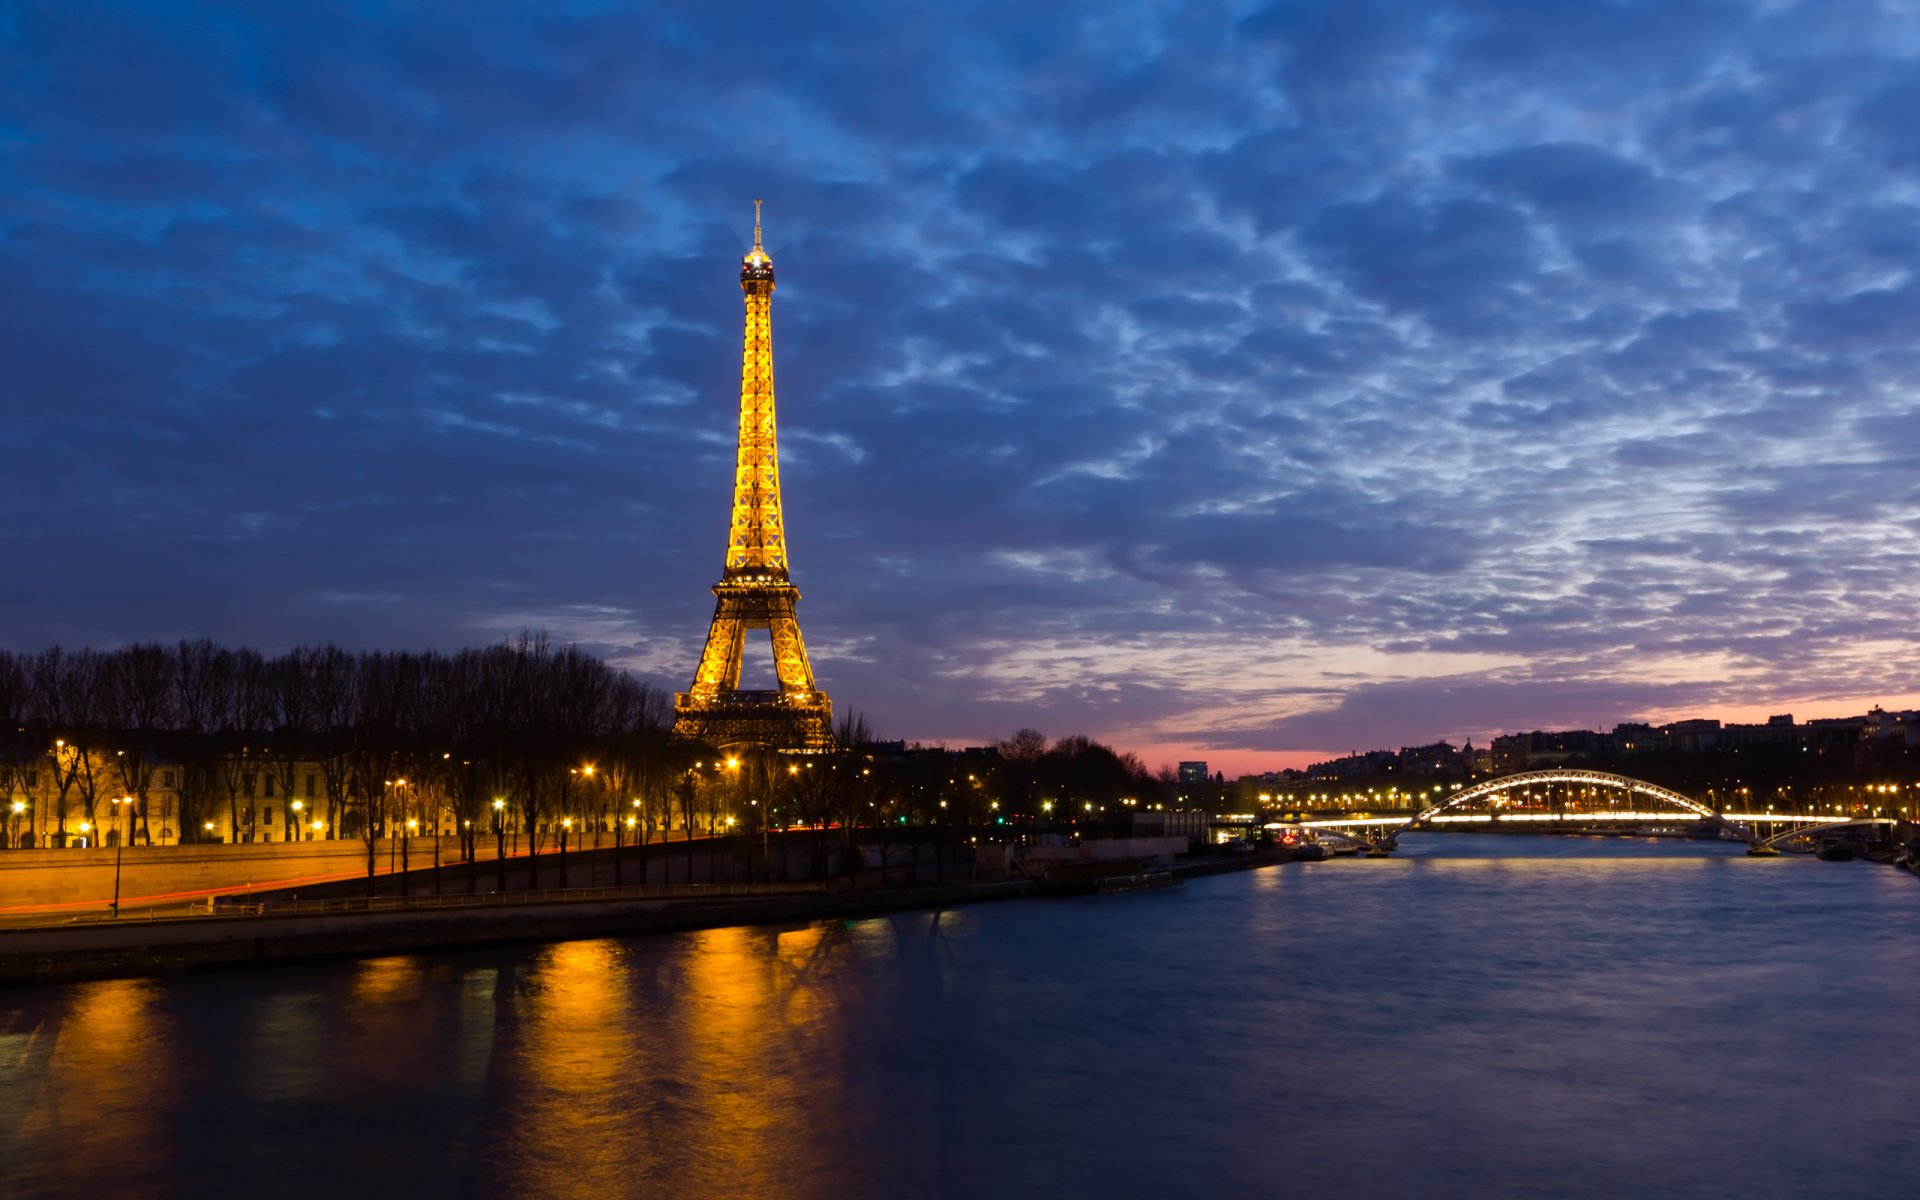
{"points": [[200, 671], [17, 748], [137, 694], [287, 686], [66, 690], [243, 708], [336, 680]]}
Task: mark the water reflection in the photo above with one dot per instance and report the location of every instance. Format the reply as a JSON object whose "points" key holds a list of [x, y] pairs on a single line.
{"points": [[1481, 1016], [89, 1089], [569, 1051]]}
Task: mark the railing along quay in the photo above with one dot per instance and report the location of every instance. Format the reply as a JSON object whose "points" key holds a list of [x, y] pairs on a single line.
{"points": [[225, 907], [667, 891]]}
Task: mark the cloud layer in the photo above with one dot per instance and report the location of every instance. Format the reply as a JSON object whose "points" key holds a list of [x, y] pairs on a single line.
{"points": [[1225, 380]]}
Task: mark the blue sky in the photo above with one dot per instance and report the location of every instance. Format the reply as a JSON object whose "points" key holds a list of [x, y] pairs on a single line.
{"points": [[1251, 382]]}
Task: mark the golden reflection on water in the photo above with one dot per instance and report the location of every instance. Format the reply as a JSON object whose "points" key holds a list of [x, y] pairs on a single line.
{"points": [[571, 1075], [766, 1037], [106, 1058], [736, 1075], [393, 1020]]}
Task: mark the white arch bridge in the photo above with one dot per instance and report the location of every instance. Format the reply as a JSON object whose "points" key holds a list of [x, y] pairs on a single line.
{"points": [[1579, 799]]}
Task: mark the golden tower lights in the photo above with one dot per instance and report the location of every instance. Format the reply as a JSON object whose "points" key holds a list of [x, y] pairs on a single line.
{"points": [[754, 591]]}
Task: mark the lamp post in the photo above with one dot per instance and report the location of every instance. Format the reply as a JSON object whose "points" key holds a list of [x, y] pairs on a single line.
{"points": [[296, 821], [634, 831], [123, 804], [566, 827], [500, 839], [386, 824], [13, 823], [406, 844]]}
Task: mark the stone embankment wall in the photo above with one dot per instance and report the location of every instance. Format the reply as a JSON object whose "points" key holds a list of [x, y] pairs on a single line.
{"points": [[37, 877], [163, 874], [110, 949]]}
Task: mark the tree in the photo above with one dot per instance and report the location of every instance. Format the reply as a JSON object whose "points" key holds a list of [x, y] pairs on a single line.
{"points": [[243, 712], [200, 669], [137, 694], [66, 689], [288, 696]]}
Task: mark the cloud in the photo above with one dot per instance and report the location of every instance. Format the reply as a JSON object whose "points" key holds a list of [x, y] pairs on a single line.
{"points": [[1271, 379]]}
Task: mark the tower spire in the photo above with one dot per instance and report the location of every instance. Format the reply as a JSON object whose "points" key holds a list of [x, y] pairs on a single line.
{"points": [[756, 229]]}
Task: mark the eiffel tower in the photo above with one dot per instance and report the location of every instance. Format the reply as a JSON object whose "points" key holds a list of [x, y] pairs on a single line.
{"points": [[754, 591]]}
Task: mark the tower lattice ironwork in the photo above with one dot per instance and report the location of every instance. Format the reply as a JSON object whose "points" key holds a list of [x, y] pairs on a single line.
{"points": [[754, 591]]}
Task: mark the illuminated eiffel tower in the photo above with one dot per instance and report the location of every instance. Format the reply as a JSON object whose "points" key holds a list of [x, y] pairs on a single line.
{"points": [[754, 591]]}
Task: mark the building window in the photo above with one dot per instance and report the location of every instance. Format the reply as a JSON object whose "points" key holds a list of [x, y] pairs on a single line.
{"points": [[268, 781], [266, 814], [309, 783], [33, 779], [166, 779]]}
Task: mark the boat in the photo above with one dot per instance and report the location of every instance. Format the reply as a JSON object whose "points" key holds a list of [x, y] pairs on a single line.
{"points": [[1834, 852], [1310, 852]]}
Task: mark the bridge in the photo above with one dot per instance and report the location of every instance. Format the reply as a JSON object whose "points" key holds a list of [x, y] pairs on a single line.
{"points": [[1581, 799]]}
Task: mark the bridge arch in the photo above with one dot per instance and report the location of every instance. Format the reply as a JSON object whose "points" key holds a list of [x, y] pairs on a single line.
{"points": [[1653, 791]]}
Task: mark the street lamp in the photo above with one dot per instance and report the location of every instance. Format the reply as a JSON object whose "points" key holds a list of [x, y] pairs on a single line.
{"points": [[124, 803], [500, 839], [406, 857], [566, 827], [296, 822], [13, 823]]}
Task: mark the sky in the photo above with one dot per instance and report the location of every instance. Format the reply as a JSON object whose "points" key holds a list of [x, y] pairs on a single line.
{"points": [[1250, 382]]}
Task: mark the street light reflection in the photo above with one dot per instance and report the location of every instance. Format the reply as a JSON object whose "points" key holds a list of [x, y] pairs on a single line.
{"points": [[106, 1074]]}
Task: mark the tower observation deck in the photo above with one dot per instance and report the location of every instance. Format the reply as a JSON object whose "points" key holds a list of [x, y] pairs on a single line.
{"points": [[754, 592]]}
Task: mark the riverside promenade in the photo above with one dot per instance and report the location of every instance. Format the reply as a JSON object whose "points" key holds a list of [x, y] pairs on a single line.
{"points": [[284, 929]]}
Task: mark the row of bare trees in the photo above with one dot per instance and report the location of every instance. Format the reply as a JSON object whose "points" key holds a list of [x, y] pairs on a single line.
{"points": [[522, 735], [395, 736]]}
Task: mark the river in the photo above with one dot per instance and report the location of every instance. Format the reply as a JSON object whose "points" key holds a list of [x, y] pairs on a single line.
{"points": [[1478, 1016]]}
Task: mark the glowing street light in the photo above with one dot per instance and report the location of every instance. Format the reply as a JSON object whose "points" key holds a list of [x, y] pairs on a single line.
{"points": [[123, 804]]}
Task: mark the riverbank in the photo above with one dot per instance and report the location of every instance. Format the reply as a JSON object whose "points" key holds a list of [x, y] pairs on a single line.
{"points": [[275, 932]]}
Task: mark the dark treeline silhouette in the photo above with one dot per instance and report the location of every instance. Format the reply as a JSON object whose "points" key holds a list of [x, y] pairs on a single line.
{"points": [[199, 742], [354, 744]]}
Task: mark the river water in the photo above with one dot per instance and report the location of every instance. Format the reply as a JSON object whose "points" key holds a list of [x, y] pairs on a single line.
{"points": [[1478, 1016]]}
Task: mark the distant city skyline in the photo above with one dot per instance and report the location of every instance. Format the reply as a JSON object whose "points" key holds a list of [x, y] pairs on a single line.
{"points": [[1244, 382]]}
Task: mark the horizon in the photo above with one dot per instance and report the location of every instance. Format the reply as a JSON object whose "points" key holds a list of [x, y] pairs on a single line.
{"points": [[1747, 715]]}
